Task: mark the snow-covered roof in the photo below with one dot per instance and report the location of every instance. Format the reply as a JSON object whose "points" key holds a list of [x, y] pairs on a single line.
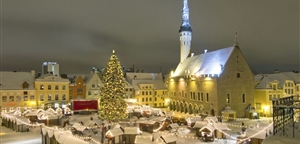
{"points": [[115, 132], [206, 63], [263, 80], [174, 125], [209, 127], [131, 130], [14, 80], [169, 138], [157, 84], [143, 76], [200, 124], [143, 139]]}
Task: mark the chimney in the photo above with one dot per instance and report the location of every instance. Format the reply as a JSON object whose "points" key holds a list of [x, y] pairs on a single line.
{"points": [[32, 72]]}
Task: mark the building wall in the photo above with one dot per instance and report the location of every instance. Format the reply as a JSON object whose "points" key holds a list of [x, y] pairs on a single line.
{"points": [[145, 94], [236, 80], [77, 90], [59, 92], [11, 99], [93, 86]]}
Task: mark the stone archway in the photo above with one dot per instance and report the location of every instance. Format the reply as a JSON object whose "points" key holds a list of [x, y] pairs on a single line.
{"points": [[171, 105], [201, 109], [177, 106], [196, 109], [212, 112], [181, 107], [186, 106], [190, 109]]}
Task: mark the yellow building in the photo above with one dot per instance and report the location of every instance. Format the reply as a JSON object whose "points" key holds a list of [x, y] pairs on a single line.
{"points": [[17, 91], [273, 86], [51, 91], [149, 89]]}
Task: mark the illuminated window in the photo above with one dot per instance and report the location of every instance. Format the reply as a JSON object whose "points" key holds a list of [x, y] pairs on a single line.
{"points": [[41, 87], [56, 96], [63, 97], [89, 93], [18, 98], [56, 87], [49, 87], [32, 97], [198, 96], [25, 98], [63, 87], [49, 97], [228, 98], [41, 97], [11, 98], [79, 90]]}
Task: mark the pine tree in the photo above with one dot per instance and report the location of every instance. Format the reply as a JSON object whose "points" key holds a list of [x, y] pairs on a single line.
{"points": [[112, 104]]}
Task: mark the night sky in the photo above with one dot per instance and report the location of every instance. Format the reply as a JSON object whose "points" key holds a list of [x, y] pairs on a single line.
{"points": [[81, 34]]}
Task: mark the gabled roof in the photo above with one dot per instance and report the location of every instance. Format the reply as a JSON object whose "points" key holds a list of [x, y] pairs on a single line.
{"points": [[143, 76], [157, 84], [14, 80], [206, 63], [263, 80]]}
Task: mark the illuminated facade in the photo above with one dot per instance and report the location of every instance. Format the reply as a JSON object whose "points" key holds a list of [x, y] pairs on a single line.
{"points": [[77, 88], [149, 89], [273, 86], [17, 90], [51, 91], [208, 82], [93, 85]]}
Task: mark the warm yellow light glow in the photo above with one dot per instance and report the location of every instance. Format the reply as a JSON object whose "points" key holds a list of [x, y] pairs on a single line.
{"points": [[208, 78], [167, 100], [266, 108], [32, 103], [132, 100]]}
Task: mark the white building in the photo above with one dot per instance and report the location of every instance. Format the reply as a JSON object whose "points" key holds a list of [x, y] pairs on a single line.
{"points": [[50, 67]]}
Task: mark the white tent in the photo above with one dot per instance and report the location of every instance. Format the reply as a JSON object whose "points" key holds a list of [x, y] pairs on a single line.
{"points": [[143, 139]]}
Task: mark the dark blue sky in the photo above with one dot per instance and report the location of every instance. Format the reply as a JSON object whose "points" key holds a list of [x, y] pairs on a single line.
{"points": [[81, 34]]}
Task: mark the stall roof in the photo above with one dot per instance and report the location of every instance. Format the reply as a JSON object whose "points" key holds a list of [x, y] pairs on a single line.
{"points": [[143, 139], [209, 127], [150, 122], [174, 125], [169, 138], [131, 130], [214, 119], [115, 132], [200, 124]]}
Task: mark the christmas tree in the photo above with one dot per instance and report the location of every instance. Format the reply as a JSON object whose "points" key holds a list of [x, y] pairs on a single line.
{"points": [[112, 104]]}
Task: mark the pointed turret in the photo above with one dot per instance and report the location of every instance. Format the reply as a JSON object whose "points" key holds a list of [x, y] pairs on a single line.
{"points": [[185, 32], [236, 44]]}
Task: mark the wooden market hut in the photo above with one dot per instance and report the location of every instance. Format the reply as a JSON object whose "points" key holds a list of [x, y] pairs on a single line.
{"points": [[198, 125], [228, 114], [148, 125], [21, 124], [130, 134], [207, 133], [169, 139], [192, 120], [115, 136], [219, 128]]}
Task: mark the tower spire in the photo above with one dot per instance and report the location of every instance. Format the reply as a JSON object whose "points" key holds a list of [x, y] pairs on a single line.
{"points": [[236, 44], [185, 32], [185, 26]]}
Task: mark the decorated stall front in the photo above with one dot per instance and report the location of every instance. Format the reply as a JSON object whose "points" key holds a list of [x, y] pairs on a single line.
{"points": [[115, 136], [198, 125], [207, 133], [130, 133], [228, 114]]}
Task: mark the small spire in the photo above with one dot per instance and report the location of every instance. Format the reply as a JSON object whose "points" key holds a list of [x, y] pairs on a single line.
{"points": [[236, 44], [113, 51]]}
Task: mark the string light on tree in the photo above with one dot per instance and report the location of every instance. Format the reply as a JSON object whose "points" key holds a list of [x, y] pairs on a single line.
{"points": [[112, 104]]}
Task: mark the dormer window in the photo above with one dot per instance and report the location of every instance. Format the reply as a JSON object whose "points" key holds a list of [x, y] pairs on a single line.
{"points": [[25, 85]]}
